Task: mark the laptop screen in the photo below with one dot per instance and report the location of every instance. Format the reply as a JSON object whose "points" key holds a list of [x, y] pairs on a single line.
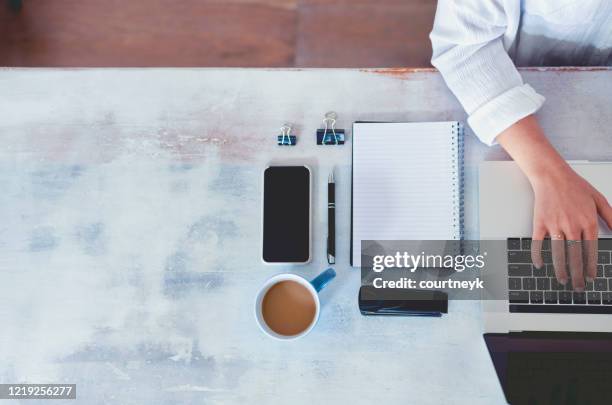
{"points": [[553, 368]]}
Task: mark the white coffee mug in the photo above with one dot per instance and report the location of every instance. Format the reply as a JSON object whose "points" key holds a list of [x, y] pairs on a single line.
{"points": [[314, 286]]}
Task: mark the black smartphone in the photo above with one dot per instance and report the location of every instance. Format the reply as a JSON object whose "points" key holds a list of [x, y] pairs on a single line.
{"points": [[286, 214]]}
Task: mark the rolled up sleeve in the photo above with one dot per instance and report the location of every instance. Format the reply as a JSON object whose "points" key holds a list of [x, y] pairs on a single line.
{"points": [[469, 53]]}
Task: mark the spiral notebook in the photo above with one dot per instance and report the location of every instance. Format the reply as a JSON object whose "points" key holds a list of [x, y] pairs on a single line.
{"points": [[407, 182]]}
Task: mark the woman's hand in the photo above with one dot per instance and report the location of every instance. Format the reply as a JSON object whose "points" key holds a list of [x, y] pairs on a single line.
{"points": [[566, 209], [566, 206]]}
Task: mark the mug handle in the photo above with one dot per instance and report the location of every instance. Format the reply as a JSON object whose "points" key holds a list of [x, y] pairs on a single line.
{"points": [[320, 281]]}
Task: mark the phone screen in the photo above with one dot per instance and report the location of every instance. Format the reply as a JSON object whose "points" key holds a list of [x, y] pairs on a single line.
{"points": [[286, 214]]}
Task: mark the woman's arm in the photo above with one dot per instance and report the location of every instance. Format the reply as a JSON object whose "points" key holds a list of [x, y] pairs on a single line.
{"points": [[469, 49], [468, 41], [566, 205]]}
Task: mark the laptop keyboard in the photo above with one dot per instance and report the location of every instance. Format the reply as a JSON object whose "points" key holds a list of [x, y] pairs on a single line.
{"points": [[537, 290]]}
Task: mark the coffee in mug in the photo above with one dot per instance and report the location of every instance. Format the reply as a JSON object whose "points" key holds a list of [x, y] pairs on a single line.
{"points": [[287, 306]]}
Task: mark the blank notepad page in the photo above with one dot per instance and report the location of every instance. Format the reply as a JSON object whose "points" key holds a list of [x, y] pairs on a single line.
{"points": [[406, 182]]}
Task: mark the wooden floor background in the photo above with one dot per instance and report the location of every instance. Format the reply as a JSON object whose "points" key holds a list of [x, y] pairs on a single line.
{"points": [[246, 33]]}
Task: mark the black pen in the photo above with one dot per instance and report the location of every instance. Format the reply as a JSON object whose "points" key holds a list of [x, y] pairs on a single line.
{"points": [[331, 219]]}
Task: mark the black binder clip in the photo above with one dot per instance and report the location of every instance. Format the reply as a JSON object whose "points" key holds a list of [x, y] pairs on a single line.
{"points": [[285, 138], [329, 135]]}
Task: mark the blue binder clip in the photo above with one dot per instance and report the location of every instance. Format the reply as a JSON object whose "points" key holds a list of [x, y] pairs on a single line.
{"points": [[285, 138], [329, 135]]}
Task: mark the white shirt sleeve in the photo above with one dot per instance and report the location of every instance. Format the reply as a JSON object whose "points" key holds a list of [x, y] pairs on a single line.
{"points": [[468, 50]]}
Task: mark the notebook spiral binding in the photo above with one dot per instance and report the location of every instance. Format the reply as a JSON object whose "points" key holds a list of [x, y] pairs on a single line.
{"points": [[458, 172]]}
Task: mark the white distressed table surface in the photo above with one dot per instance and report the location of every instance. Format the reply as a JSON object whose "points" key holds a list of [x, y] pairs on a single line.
{"points": [[130, 234]]}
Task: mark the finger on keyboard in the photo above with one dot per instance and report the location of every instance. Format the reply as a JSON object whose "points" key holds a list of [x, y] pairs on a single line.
{"points": [[574, 258], [590, 254], [558, 255]]}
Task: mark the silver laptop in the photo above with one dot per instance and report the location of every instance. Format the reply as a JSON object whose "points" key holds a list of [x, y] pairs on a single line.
{"points": [[548, 343], [506, 212]]}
